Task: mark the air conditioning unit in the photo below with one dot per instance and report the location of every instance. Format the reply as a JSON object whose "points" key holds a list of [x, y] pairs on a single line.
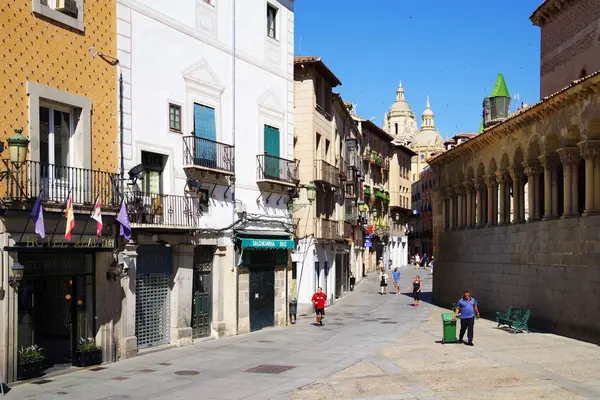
{"points": [[66, 6]]}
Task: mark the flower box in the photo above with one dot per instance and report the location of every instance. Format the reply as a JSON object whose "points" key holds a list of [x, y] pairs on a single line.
{"points": [[30, 370], [87, 358]]}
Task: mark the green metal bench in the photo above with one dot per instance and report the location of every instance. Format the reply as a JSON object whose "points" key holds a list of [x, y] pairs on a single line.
{"points": [[515, 318]]}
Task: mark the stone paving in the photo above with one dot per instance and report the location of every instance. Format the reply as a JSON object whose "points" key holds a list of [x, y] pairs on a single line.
{"points": [[371, 347]]}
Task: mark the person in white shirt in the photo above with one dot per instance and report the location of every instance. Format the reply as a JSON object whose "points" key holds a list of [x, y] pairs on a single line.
{"points": [[383, 281]]}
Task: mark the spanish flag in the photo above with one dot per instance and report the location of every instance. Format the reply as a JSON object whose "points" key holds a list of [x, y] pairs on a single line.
{"points": [[70, 218]]}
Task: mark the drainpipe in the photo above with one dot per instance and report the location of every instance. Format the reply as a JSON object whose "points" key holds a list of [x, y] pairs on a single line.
{"points": [[233, 199], [121, 130]]}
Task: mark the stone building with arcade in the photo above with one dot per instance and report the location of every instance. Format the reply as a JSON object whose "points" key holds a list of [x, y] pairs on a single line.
{"points": [[545, 259]]}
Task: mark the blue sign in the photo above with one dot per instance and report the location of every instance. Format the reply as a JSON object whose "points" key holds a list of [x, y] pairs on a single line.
{"points": [[368, 241]]}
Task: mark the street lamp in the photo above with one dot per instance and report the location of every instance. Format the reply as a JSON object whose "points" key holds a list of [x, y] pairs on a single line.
{"points": [[116, 270], [374, 213], [17, 275], [17, 150], [311, 192]]}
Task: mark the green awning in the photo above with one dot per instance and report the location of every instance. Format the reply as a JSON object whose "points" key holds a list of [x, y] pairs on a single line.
{"points": [[268, 244]]}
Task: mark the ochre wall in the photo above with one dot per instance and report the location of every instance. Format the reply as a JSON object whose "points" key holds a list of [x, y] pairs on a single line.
{"points": [[37, 49], [551, 267]]}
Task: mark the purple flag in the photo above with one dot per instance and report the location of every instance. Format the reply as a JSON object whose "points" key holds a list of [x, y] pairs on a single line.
{"points": [[37, 213], [123, 221]]}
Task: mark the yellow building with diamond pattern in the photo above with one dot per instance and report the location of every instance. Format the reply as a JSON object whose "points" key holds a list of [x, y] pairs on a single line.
{"points": [[60, 86]]}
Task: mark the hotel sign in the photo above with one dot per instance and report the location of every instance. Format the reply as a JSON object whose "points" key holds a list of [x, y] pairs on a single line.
{"points": [[83, 242]]}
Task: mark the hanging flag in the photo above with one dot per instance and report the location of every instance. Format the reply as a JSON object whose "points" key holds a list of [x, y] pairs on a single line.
{"points": [[97, 215], [70, 218], [123, 220], [38, 217]]}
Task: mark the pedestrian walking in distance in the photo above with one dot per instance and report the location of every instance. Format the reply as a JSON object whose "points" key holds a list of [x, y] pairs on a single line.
{"points": [[467, 307], [383, 281], [319, 300], [416, 288], [396, 277]]}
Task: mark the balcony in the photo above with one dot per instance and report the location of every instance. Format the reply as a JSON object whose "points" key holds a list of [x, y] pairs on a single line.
{"points": [[165, 211], [351, 190], [343, 170], [276, 170], [348, 231], [208, 155], [326, 173], [351, 218], [328, 229], [55, 183]]}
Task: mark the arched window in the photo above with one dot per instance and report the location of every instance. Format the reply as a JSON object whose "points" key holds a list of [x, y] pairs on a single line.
{"points": [[396, 128]]}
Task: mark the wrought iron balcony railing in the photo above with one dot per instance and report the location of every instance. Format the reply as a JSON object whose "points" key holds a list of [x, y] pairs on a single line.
{"points": [[325, 172], [328, 229], [163, 210], [208, 154], [271, 168], [28, 180]]}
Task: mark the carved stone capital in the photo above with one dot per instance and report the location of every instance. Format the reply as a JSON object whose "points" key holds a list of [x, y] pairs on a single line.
{"points": [[469, 187], [516, 173], [532, 168], [501, 177], [490, 180], [569, 155], [450, 192], [460, 189], [590, 149], [549, 160], [479, 184]]}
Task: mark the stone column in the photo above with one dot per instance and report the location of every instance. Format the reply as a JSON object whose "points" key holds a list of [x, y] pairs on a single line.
{"points": [[460, 193], [444, 214], [181, 294], [128, 338], [451, 201], [570, 158], [492, 199], [480, 188], [516, 173], [533, 170], [590, 150], [469, 189], [550, 163], [501, 179]]}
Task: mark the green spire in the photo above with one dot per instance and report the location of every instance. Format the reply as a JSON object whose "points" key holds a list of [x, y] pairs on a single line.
{"points": [[500, 89], [480, 127]]}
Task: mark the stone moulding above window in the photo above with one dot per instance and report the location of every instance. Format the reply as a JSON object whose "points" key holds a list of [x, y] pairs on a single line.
{"points": [[82, 135], [42, 9]]}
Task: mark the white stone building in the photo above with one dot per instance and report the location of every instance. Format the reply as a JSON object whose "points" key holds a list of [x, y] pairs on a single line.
{"points": [[208, 145]]}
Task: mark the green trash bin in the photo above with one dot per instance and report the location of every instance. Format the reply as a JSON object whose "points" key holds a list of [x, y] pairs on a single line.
{"points": [[449, 328]]}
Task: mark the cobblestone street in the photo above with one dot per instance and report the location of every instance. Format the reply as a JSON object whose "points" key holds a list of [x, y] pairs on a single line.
{"points": [[372, 347]]}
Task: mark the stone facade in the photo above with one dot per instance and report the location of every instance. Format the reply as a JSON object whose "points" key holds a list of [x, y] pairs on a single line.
{"points": [[539, 259], [570, 47]]}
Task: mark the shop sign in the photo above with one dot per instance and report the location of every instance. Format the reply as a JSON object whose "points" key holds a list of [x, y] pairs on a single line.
{"points": [[83, 242], [368, 241], [268, 244]]}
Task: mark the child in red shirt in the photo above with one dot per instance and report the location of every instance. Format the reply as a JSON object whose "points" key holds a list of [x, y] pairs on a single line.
{"points": [[319, 300]]}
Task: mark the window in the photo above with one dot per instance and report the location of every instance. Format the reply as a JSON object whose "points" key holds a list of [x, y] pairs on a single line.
{"points": [[56, 130], [175, 117], [154, 164], [271, 21], [67, 12]]}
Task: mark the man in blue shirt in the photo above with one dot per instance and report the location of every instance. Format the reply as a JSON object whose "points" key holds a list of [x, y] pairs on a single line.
{"points": [[467, 307], [396, 276]]}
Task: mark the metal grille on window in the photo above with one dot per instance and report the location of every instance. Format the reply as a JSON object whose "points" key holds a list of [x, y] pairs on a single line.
{"points": [[153, 300]]}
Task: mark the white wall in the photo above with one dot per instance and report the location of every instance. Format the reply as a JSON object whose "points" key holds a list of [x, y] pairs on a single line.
{"points": [[181, 52]]}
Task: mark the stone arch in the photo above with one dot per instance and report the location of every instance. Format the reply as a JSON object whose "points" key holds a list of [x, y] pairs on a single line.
{"points": [[551, 143], [572, 137], [470, 174], [492, 167], [480, 170], [534, 148], [518, 157], [593, 129], [504, 162]]}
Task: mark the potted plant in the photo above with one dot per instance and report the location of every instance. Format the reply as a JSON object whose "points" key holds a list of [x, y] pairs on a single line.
{"points": [[88, 353], [31, 362]]}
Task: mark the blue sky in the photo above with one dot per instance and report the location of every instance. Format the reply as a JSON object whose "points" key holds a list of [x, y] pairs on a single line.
{"points": [[450, 51]]}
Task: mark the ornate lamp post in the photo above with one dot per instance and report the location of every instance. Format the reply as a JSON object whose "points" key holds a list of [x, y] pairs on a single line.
{"points": [[17, 275]]}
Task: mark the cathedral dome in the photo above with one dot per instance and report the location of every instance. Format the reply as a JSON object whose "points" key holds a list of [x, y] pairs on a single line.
{"points": [[427, 112], [427, 138]]}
